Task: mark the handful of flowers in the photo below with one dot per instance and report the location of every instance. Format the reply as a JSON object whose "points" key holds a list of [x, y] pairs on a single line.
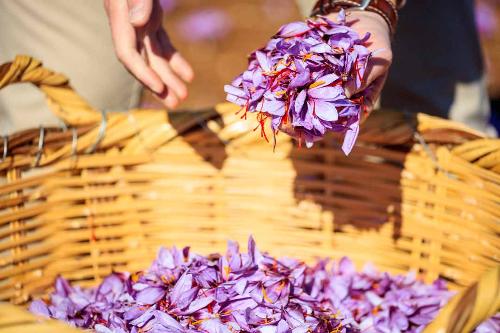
{"points": [[249, 293], [298, 81]]}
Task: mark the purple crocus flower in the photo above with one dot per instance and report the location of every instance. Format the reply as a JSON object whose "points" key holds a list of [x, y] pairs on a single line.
{"points": [[298, 81], [250, 292]]}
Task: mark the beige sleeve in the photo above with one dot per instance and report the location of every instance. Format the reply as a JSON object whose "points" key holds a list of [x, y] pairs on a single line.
{"points": [[305, 6], [71, 37]]}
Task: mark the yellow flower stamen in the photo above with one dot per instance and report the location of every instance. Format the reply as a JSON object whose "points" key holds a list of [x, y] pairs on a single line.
{"points": [[316, 84], [307, 56], [198, 322], [266, 298], [281, 286], [227, 270]]}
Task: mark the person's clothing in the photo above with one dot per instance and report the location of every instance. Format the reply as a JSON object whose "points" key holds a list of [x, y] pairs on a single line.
{"points": [[305, 6], [438, 66], [71, 37]]}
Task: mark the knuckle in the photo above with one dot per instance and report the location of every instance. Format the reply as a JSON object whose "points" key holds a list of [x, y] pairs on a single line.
{"points": [[121, 54]]}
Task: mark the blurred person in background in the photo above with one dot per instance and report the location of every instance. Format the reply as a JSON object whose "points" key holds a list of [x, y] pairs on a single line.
{"points": [[437, 63], [74, 37], [71, 37]]}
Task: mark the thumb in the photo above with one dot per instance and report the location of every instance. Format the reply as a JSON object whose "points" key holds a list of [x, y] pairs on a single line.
{"points": [[139, 12], [378, 66], [372, 96]]}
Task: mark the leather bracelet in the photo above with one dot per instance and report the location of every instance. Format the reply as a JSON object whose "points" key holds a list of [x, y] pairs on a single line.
{"points": [[384, 8]]}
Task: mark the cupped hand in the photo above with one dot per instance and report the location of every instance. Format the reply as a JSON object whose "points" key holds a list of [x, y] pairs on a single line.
{"points": [[142, 45], [380, 44]]}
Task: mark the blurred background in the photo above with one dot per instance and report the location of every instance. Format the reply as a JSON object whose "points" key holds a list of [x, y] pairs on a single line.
{"points": [[216, 36]]}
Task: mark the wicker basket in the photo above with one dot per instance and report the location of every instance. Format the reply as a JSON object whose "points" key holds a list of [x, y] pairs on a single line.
{"points": [[418, 193]]}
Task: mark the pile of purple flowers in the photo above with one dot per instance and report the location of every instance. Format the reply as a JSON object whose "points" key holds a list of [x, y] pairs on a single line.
{"points": [[298, 81], [249, 293]]}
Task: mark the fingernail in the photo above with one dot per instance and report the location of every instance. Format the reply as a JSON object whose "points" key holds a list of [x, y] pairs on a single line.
{"points": [[137, 12]]}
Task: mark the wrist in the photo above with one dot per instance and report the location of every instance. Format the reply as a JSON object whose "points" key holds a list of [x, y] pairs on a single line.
{"points": [[387, 9]]}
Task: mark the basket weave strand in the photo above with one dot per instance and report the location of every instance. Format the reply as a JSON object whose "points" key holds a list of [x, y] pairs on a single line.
{"points": [[62, 100], [201, 178]]}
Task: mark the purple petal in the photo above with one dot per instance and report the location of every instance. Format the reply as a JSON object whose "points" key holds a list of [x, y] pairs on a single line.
{"points": [[236, 100], [350, 139], [232, 91], [144, 318], [326, 111], [327, 79], [282, 327], [150, 295], [300, 100], [329, 93], [274, 107], [214, 326], [293, 29], [264, 62], [39, 308], [168, 322], [183, 292], [102, 329], [197, 305], [400, 321], [346, 266], [302, 79], [321, 48], [318, 125]]}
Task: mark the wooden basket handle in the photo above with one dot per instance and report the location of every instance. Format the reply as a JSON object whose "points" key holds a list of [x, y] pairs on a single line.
{"points": [[470, 307], [62, 100]]}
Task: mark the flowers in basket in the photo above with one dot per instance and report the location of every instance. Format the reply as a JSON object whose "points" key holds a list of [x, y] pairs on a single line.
{"points": [[298, 82], [249, 293]]}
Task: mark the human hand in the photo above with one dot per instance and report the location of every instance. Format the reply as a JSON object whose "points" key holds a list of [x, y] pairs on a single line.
{"points": [[142, 45], [378, 66], [379, 43]]}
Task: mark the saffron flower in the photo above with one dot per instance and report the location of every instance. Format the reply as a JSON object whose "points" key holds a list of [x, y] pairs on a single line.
{"points": [[249, 293], [298, 81]]}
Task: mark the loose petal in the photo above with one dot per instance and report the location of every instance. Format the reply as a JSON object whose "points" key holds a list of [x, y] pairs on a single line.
{"points": [[350, 139], [150, 295]]}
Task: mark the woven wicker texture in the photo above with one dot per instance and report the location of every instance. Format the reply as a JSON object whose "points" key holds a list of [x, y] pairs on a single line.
{"points": [[16, 320], [417, 193]]}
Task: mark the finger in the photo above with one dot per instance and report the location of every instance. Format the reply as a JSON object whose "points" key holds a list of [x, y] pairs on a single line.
{"points": [[378, 66], [125, 42], [168, 98], [161, 66], [372, 96], [139, 12], [379, 43], [177, 62], [181, 67]]}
